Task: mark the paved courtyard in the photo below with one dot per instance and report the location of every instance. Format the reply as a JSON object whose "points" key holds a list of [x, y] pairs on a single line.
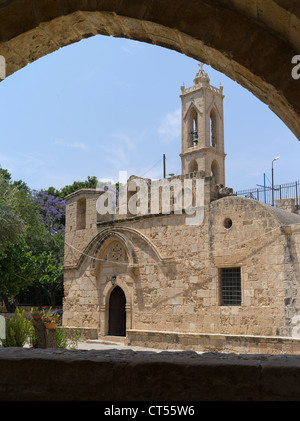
{"points": [[98, 345]]}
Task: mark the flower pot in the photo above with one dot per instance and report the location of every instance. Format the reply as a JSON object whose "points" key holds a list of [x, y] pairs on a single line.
{"points": [[50, 325], [37, 316]]}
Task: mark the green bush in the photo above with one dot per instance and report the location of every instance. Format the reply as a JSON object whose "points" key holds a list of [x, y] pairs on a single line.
{"points": [[18, 330], [61, 338], [67, 338]]}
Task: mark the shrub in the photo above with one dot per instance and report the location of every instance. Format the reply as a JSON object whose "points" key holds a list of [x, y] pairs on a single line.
{"points": [[67, 338], [61, 338], [18, 330]]}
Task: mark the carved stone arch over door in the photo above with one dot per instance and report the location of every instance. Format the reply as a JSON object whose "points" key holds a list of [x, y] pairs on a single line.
{"points": [[122, 253], [114, 257], [106, 293]]}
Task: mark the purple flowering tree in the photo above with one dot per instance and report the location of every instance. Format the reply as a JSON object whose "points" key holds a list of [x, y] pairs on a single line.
{"points": [[51, 210]]}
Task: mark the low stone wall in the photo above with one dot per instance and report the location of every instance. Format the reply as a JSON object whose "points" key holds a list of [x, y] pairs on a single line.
{"points": [[214, 343], [125, 375], [83, 333]]}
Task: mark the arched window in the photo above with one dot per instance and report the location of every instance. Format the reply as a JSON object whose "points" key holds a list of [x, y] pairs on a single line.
{"points": [[81, 214], [213, 129], [193, 167], [215, 171], [193, 129], [115, 252]]}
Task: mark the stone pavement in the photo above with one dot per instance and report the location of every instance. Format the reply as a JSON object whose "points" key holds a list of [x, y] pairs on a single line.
{"points": [[101, 345]]}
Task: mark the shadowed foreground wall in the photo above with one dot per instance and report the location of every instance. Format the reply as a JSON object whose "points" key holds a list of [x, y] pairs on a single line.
{"points": [[127, 375]]}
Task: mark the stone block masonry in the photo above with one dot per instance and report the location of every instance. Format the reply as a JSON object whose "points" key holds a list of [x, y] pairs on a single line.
{"points": [[171, 273], [231, 270], [61, 375]]}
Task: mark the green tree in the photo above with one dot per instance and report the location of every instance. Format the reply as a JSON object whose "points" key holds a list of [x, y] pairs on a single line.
{"points": [[50, 277], [17, 267], [31, 245], [48, 240], [90, 183], [11, 222], [52, 280], [17, 212], [21, 269]]}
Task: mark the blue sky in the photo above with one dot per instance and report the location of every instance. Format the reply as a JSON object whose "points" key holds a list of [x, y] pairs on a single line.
{"points": [[106, 104]]}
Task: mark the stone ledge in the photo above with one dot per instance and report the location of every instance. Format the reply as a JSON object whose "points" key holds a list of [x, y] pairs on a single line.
{"points": [[84, 333], [208, 342], [126, 375]]}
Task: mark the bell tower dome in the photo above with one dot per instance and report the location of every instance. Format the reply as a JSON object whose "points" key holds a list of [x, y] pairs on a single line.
{"points": [[202, 147]]}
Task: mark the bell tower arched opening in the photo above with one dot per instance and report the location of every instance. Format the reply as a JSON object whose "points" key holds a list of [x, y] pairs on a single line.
{"points": [[213, 129], [193, 133]]}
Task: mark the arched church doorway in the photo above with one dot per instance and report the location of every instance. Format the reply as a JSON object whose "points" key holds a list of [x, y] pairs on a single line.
{"points": [[117, 314]]}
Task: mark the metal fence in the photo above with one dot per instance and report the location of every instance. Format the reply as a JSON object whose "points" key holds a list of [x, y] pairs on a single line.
{"points": [[282, 191]]}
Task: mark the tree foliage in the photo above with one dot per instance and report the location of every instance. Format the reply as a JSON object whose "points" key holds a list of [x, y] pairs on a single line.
{"points": [[32, 225], [11, 222], [18, 214], [90, 183], [18, 268], [51, 211]]}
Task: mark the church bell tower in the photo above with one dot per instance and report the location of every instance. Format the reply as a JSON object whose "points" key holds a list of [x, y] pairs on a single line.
{"points": [[202, 146]]}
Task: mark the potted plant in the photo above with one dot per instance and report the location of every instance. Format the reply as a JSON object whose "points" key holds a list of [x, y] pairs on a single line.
{"points": [[36, 313], [51, 318]]}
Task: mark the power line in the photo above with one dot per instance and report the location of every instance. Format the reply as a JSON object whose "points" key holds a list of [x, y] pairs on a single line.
{"points": [[152, 167]]}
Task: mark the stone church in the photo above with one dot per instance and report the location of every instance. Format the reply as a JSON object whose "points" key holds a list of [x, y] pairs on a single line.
{"points": [[222, 274]]}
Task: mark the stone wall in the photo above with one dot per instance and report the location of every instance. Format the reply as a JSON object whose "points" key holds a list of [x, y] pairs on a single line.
{"points": [[171, 276], [113, 376], [241, 344]]}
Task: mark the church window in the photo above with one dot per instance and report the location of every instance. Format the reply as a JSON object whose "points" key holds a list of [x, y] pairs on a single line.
{"points": [[231, 289], [81, 214], [227, 223], [115, 252]]}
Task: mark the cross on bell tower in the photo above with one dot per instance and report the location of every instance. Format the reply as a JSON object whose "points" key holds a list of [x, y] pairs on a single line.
{"points": [[202, 146]]}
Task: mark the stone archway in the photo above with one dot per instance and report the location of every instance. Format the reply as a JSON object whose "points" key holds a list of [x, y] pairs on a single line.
{"points": [[114, 284], [251, 42]]}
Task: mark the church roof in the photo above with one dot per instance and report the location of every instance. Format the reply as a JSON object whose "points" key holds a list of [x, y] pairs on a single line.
{"points": [[286, 217]]}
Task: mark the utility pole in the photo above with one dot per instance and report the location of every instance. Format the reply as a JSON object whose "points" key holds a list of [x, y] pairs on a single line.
{"points": [[164, 161]]}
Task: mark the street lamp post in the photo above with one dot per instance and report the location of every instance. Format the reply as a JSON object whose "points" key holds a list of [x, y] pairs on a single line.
{"points": [[276, 159]]}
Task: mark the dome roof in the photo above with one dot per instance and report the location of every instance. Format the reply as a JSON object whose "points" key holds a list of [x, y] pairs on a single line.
{"points": [[201, 77]]}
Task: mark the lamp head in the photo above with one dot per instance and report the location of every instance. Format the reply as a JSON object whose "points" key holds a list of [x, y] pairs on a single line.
{"points": [[113, 280]]}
